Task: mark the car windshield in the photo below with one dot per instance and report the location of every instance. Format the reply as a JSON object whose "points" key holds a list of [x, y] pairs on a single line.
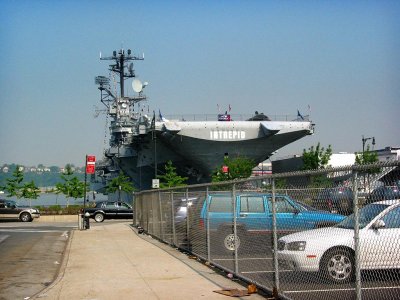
{"points": [[366, 214], [304, 206]]}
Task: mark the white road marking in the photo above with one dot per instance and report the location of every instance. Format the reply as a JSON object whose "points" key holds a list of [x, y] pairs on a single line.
{"points": [[348, 289], [29, 230], [3, 238], [272, 271], [250, 258]]}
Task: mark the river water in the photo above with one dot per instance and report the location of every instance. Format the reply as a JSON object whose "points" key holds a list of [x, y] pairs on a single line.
{"points": [[48, 199]]}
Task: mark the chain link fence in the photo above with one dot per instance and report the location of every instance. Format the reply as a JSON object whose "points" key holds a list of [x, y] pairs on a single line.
{"points": [[329, 234]]}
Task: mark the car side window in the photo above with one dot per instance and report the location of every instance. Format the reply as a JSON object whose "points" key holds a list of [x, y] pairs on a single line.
{"points": [[110, 205], [121, 205], [252, 204], [221, 204], [282, 205], [392, 218]]}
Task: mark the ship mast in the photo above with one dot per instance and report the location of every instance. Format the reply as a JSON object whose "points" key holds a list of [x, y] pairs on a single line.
{"points": [[125, 71], [126, 120]]}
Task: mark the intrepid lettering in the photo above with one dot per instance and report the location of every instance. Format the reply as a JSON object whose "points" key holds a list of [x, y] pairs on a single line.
{"points": [[227, 135]]}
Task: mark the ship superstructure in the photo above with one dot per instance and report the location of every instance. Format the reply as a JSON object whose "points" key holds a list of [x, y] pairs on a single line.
{"points": [[140, 144]]}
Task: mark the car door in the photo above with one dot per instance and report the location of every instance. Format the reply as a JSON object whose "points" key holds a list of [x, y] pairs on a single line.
{"points": [[110, 210], [252, 214], [288, 217], [380, 248], [8, 210], [3, 211], [124, 211]]}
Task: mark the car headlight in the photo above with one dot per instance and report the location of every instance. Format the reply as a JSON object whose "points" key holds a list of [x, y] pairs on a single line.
{"points": [[296, 246]]}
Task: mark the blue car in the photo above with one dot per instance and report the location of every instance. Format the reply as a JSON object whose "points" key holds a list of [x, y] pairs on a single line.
{"points": [[254, 218]]}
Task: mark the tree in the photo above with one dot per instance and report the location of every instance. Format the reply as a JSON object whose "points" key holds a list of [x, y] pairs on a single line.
{"points": [[30, 191], [171, 178], [315, 159], [13, 185], [71, 185], [54, 169], [120, 183], [240, 167], [365, 158]]}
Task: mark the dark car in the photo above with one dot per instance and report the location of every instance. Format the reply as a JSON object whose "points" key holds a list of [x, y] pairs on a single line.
{"points": [[384, 193], [337, 200], [9, 210], [110, 210]]}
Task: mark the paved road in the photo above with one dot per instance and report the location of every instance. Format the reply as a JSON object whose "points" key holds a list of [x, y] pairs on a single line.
{"points": [[255, 262], [30, 257], [378, 284]]}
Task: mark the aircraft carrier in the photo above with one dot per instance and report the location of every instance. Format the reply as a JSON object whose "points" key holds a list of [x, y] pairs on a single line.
{"points": [[142, 142]]}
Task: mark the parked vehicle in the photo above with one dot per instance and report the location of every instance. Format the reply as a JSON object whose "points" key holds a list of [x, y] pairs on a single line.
{"points": [[253, 214], [331, 250], [384, 193], [180, 215], [337, 200], [9, 210], [110, 210]]}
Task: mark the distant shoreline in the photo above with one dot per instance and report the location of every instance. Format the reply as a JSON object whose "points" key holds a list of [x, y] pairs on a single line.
{"points": [[49, 199]]}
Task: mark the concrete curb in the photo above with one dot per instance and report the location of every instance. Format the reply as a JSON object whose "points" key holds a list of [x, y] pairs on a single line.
{"points": [[57, 218], [61, 269]]}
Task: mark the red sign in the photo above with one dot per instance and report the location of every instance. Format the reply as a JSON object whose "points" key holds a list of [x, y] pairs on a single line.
{"points": [[90, 159], [90, 169], [90, 164], [225, 169]]}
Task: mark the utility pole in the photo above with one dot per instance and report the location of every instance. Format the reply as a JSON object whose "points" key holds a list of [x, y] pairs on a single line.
{"points": [[364, 140]]}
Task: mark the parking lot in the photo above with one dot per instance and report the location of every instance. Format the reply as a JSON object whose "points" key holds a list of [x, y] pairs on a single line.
{"points": [[326, 251], [259, 268]]}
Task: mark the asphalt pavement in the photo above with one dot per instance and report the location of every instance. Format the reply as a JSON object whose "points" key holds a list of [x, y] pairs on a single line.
{"points": [[113, 261]]}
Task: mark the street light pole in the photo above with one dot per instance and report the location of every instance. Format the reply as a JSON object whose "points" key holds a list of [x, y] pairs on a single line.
{"points": [[364, 140]]}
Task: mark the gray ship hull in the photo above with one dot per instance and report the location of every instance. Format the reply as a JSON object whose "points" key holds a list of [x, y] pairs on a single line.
{"points": [[198, 158]]}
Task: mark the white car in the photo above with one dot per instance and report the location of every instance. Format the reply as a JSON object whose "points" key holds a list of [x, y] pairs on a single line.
{"points": [[330, 250]]}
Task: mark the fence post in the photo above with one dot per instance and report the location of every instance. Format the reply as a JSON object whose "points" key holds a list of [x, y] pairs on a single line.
{"points": [[235, 228], [208, 228], [187, 218], [171, 197], [134, 206], [356, 237], [276, 288], [161, 216]]}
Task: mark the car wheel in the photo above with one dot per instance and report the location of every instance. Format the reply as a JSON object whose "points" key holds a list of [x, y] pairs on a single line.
{"points": [[228, 241], [338, 265], [99, 217], [25, 217]]}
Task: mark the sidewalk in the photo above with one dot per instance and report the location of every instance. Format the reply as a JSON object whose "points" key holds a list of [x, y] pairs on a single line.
{"points": [[112, 261]]}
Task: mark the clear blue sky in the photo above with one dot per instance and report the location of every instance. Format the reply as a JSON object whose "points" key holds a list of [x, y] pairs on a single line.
{"points": [[342, 59]]}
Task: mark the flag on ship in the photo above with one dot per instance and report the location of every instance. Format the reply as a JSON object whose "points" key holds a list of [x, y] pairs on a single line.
{"points": [[299, 115]]}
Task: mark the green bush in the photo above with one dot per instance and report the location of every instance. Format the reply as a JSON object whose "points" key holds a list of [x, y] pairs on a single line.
{"points": [[58, 210]]}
